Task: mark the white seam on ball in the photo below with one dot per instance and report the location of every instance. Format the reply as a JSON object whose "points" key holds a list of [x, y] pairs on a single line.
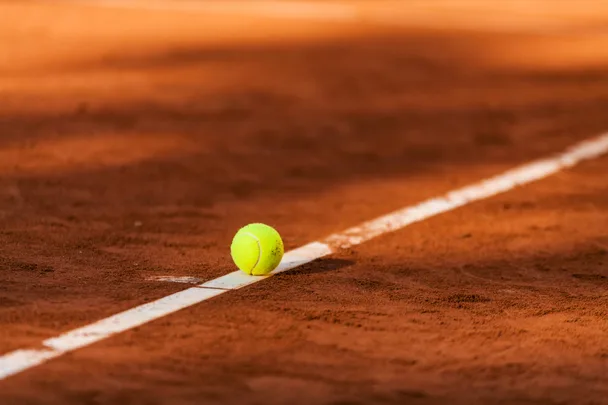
{"points": [[259, 251]]}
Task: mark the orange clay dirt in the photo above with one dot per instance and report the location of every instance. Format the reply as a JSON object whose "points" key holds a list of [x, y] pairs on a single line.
{"points": [[134, 142]]}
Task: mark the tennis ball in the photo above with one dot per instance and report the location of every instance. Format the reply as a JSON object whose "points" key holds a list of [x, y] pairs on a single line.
{"points": [[257, 249]]}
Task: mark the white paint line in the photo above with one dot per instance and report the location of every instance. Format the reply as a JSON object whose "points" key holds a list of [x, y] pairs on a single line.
{"points": [[129, 319], [20, 360]]}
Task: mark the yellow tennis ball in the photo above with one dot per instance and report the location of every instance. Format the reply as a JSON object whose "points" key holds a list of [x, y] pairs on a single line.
{"points": [[257, 249]]}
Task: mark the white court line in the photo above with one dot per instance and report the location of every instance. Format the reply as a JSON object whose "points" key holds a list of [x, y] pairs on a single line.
{"points": [[20, 360]]}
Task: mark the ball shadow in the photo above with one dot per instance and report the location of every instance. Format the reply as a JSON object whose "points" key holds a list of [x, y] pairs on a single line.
{"points": [[318, 266]]}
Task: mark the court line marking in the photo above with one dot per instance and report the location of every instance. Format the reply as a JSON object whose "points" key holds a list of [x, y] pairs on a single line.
{"points": [[20, 360]]}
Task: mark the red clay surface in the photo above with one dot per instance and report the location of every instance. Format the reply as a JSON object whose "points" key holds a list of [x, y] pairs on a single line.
{"points": [[135, 143]]}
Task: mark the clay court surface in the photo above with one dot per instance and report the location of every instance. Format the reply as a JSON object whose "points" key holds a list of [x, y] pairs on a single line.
{"points": [[136, 139]]}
